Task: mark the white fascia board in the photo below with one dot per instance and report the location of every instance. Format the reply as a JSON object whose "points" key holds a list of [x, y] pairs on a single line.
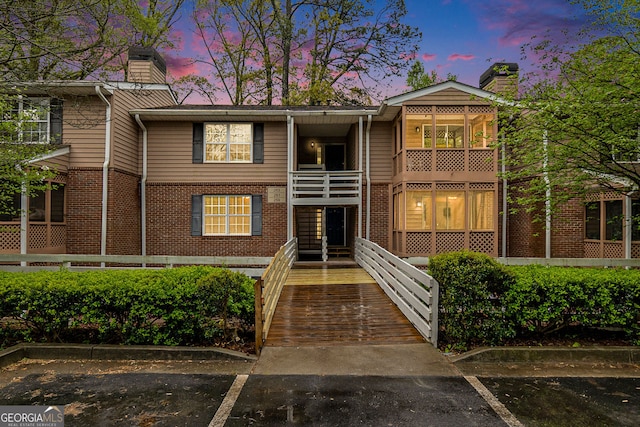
{"points": [[59, 152], [397, 101]]}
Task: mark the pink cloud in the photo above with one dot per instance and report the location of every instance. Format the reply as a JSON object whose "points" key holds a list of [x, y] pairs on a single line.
{"points": [[461, 57], [428, 56]]}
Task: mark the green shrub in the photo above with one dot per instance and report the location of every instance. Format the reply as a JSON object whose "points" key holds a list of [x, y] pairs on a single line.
{"points": [[471, 289], [170, 306], [544, 300]]}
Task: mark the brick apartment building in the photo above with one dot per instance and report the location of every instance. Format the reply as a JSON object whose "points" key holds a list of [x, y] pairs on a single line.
{"points": [[139, 174]]}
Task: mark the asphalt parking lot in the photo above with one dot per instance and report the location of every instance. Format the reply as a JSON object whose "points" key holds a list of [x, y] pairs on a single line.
{"points": [[229, 392]]}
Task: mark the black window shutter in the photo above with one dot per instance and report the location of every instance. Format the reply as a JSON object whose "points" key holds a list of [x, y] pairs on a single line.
{"points": [[256, 215], [196, 215], [198, 142], [55, 121], [258, 143]]}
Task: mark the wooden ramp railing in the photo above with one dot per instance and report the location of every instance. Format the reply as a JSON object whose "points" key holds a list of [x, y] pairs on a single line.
{"points": [[268, 289], [412, 290]]}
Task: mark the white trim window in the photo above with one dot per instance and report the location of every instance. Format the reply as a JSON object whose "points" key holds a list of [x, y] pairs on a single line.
{"points": [[32, 117], [228, 142], [227, 215]]}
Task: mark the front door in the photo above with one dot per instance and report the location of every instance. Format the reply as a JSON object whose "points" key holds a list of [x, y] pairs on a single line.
{"points": [[336, 235]]}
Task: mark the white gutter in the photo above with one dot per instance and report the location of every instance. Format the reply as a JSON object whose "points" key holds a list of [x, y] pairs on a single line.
{"points": [[360, 157], [143, 189], [105, 173], [368, 176]]}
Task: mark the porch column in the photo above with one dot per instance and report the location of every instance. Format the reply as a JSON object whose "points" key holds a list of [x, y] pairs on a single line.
{"points": [[360, 158], [290, 153], [628, 222], [24, 223]]}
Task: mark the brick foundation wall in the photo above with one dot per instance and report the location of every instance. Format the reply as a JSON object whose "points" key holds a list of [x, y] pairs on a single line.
{"points": [[169, 222], [526, 238], [567, 230], [380, 232], [123, 218], [84, 210]]}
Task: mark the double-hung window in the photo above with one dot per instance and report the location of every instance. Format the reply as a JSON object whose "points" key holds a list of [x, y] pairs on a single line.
{"points": [[227, 215], [35, 121], [228, 142]]}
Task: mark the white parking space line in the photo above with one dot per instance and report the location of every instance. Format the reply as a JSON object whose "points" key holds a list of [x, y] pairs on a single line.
{"points": [[225, 408], [497, 406]]}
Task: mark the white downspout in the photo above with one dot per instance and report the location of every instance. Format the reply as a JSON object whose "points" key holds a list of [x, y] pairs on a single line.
{"points": [[547, 201], [105, 174], [360, 157], [24, 223], [368, 175], [143, 190], [628, 219], [505, 198]]}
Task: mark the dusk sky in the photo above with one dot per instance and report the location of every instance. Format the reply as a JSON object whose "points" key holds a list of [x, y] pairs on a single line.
{"points": [[462, 37]]}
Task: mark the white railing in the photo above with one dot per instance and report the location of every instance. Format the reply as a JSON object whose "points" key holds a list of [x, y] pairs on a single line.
{"points": [[268, 289], [326, 185], [251, 266], [412, 290]]}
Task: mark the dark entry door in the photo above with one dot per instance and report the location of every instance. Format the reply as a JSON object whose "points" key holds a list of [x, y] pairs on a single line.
{"points": [[335, 227], [334, 157]]}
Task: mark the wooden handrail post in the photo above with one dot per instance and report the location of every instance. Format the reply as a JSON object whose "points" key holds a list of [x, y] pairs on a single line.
{"points": [[257, 287]]}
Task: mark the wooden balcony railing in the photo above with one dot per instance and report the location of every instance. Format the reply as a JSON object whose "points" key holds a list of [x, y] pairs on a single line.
{"points": [[319, 187]]}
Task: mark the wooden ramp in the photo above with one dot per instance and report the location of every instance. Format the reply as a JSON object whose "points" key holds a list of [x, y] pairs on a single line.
{"points": [[336, 306]]}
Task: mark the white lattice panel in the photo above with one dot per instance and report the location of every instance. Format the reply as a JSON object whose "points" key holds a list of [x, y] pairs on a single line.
{"points": [[481, 161], [450, 160]]}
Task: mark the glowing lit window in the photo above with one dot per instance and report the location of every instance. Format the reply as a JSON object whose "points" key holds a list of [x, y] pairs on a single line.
{"points": [[228, 142], [227, 215]]}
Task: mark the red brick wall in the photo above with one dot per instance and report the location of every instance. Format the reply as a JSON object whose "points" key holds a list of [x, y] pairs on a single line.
{"points": [[380, 210], [123, 218], [84, 212], [526, 238], [169, 222], [84, 196], [567, 230]]}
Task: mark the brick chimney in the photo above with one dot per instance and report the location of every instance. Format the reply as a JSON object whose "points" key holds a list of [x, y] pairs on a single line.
{"points": [[501, 77], [146, 65]]}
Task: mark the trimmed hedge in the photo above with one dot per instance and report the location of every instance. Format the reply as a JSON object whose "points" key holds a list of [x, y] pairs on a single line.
{"points": [[180, 306], [485, 303], [472, 286]]}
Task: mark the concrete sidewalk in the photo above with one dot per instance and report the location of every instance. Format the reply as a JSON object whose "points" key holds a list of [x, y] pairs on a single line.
{"points": [[383, 360]]}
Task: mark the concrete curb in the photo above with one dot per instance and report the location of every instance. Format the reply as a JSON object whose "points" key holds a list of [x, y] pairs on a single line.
{"points": [[629, 355], [117, 352]]}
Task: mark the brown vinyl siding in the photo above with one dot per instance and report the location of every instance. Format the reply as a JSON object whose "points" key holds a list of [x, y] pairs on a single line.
{"points": [[381, 153], [449, 96], [170, 157], [126, 153], [84, 130]]}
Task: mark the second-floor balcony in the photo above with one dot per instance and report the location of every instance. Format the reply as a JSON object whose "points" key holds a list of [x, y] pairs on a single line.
{"points": [[326, 188]]}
